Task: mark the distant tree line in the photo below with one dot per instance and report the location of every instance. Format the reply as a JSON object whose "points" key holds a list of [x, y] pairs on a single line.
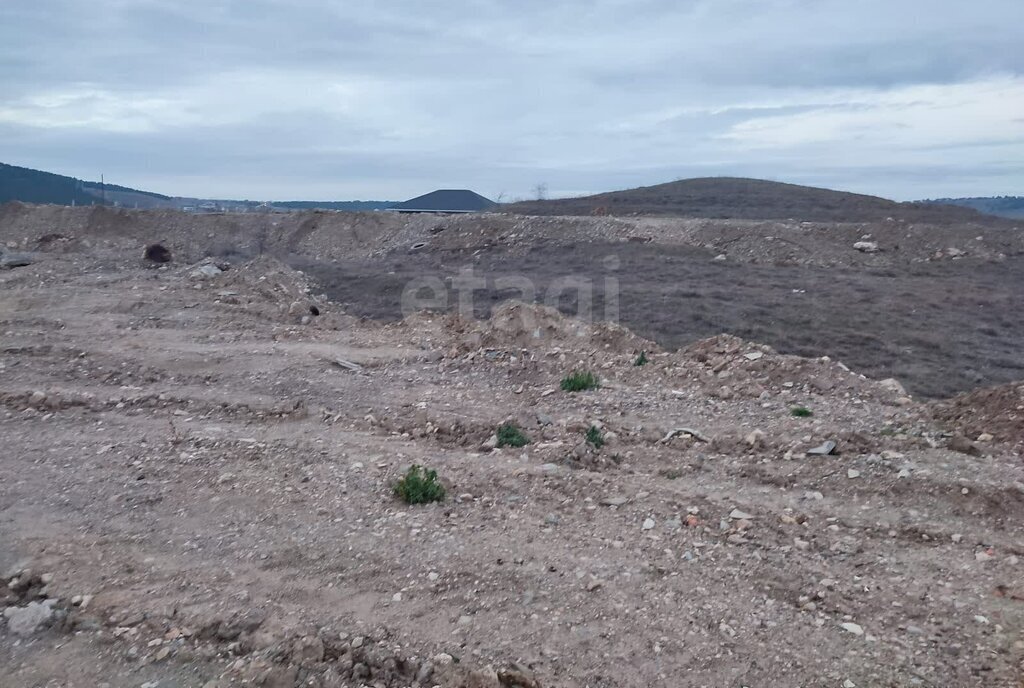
{"points": [[1005, 206]]}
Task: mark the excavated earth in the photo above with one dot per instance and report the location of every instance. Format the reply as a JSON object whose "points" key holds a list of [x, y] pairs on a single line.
{"points": [[196, 479]]}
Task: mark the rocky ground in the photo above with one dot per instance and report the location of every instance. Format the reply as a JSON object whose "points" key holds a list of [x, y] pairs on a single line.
{"points": [[196, 489]]}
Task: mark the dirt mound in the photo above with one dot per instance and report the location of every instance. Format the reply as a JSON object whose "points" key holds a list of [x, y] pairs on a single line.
{"points": [[514, 324], [735, 366], [996, 411]]}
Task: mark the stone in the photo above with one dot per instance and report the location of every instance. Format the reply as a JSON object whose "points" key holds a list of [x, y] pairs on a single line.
{"points": [[27, 620], [893, 385], [985, 437], [738, 515], [852, 473], [824, 449], [491, 443], [618, 500], [207, 270], [425, 673], [866, 246], [755, 438], [648, 524], [851, 627]]}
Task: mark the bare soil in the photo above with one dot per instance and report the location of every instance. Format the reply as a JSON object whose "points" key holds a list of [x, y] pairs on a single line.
{"points": [[198, 472], [941, 328]]}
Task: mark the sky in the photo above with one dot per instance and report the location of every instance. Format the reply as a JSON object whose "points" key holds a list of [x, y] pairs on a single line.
{"points": [[385, 100]]}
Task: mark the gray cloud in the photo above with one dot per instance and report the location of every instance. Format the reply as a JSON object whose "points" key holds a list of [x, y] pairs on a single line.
{"points": [[304, 98]]}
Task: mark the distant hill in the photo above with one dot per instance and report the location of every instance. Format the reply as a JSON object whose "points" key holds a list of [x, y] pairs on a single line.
{"points": [[1003, 206], [334, 205], [34, 186], [747, 199]]}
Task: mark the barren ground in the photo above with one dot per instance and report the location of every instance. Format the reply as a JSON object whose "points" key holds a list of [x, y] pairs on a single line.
{"points": [[186, 452]]}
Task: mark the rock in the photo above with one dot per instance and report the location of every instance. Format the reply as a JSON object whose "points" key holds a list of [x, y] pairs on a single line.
{"points": [[614, 501], [16, 260], [755, 438], [738, 515], [851, 627], [157, 253], [206, 270], [866, 246], [491, 443], [27, 620], [754, 355], [985, 437], [425, 673], [515, 676], [893, 385], [824, 449], [961, 444], [852, 473], [648, 524]]}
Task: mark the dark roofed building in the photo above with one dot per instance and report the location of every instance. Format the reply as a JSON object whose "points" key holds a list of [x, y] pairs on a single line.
{"points": [[446, 201]]}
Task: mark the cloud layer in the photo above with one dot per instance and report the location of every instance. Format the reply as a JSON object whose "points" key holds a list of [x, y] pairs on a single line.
{"points": [[274, 99]]}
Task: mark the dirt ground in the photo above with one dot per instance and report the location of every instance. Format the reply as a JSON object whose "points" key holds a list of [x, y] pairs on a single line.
{"points": [[196, 483], [941, 328]]}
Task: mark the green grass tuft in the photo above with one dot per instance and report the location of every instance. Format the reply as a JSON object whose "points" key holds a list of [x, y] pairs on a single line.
{"points": [[419, 486], [594, 437], [641, 359], [801, 412], [579, 381], [509, 435]]}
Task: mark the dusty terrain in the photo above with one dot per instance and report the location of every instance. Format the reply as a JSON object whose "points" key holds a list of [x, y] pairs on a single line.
{"points": [[196, 475]]}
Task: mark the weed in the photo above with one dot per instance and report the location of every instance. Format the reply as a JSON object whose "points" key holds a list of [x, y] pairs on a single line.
{"points": [[419, 486], [641, 359], [801, 412], [579, 381], [671, 473], [509, 435], [594, 437]]}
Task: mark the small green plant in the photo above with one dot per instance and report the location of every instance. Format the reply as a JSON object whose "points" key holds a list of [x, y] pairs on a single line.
{"points": [[509, 435], [580, 380], [641, 360], [419, 486], [594, 437], [801, 412]]}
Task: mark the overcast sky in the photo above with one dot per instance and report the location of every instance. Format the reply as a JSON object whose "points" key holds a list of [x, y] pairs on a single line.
{"points": [[330, 99]]}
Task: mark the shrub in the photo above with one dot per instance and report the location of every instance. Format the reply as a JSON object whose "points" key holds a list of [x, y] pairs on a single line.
{"points": [[594, 437], [419, 486], [509, 435], [641, 359], [579, 381], [801, 412]]}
